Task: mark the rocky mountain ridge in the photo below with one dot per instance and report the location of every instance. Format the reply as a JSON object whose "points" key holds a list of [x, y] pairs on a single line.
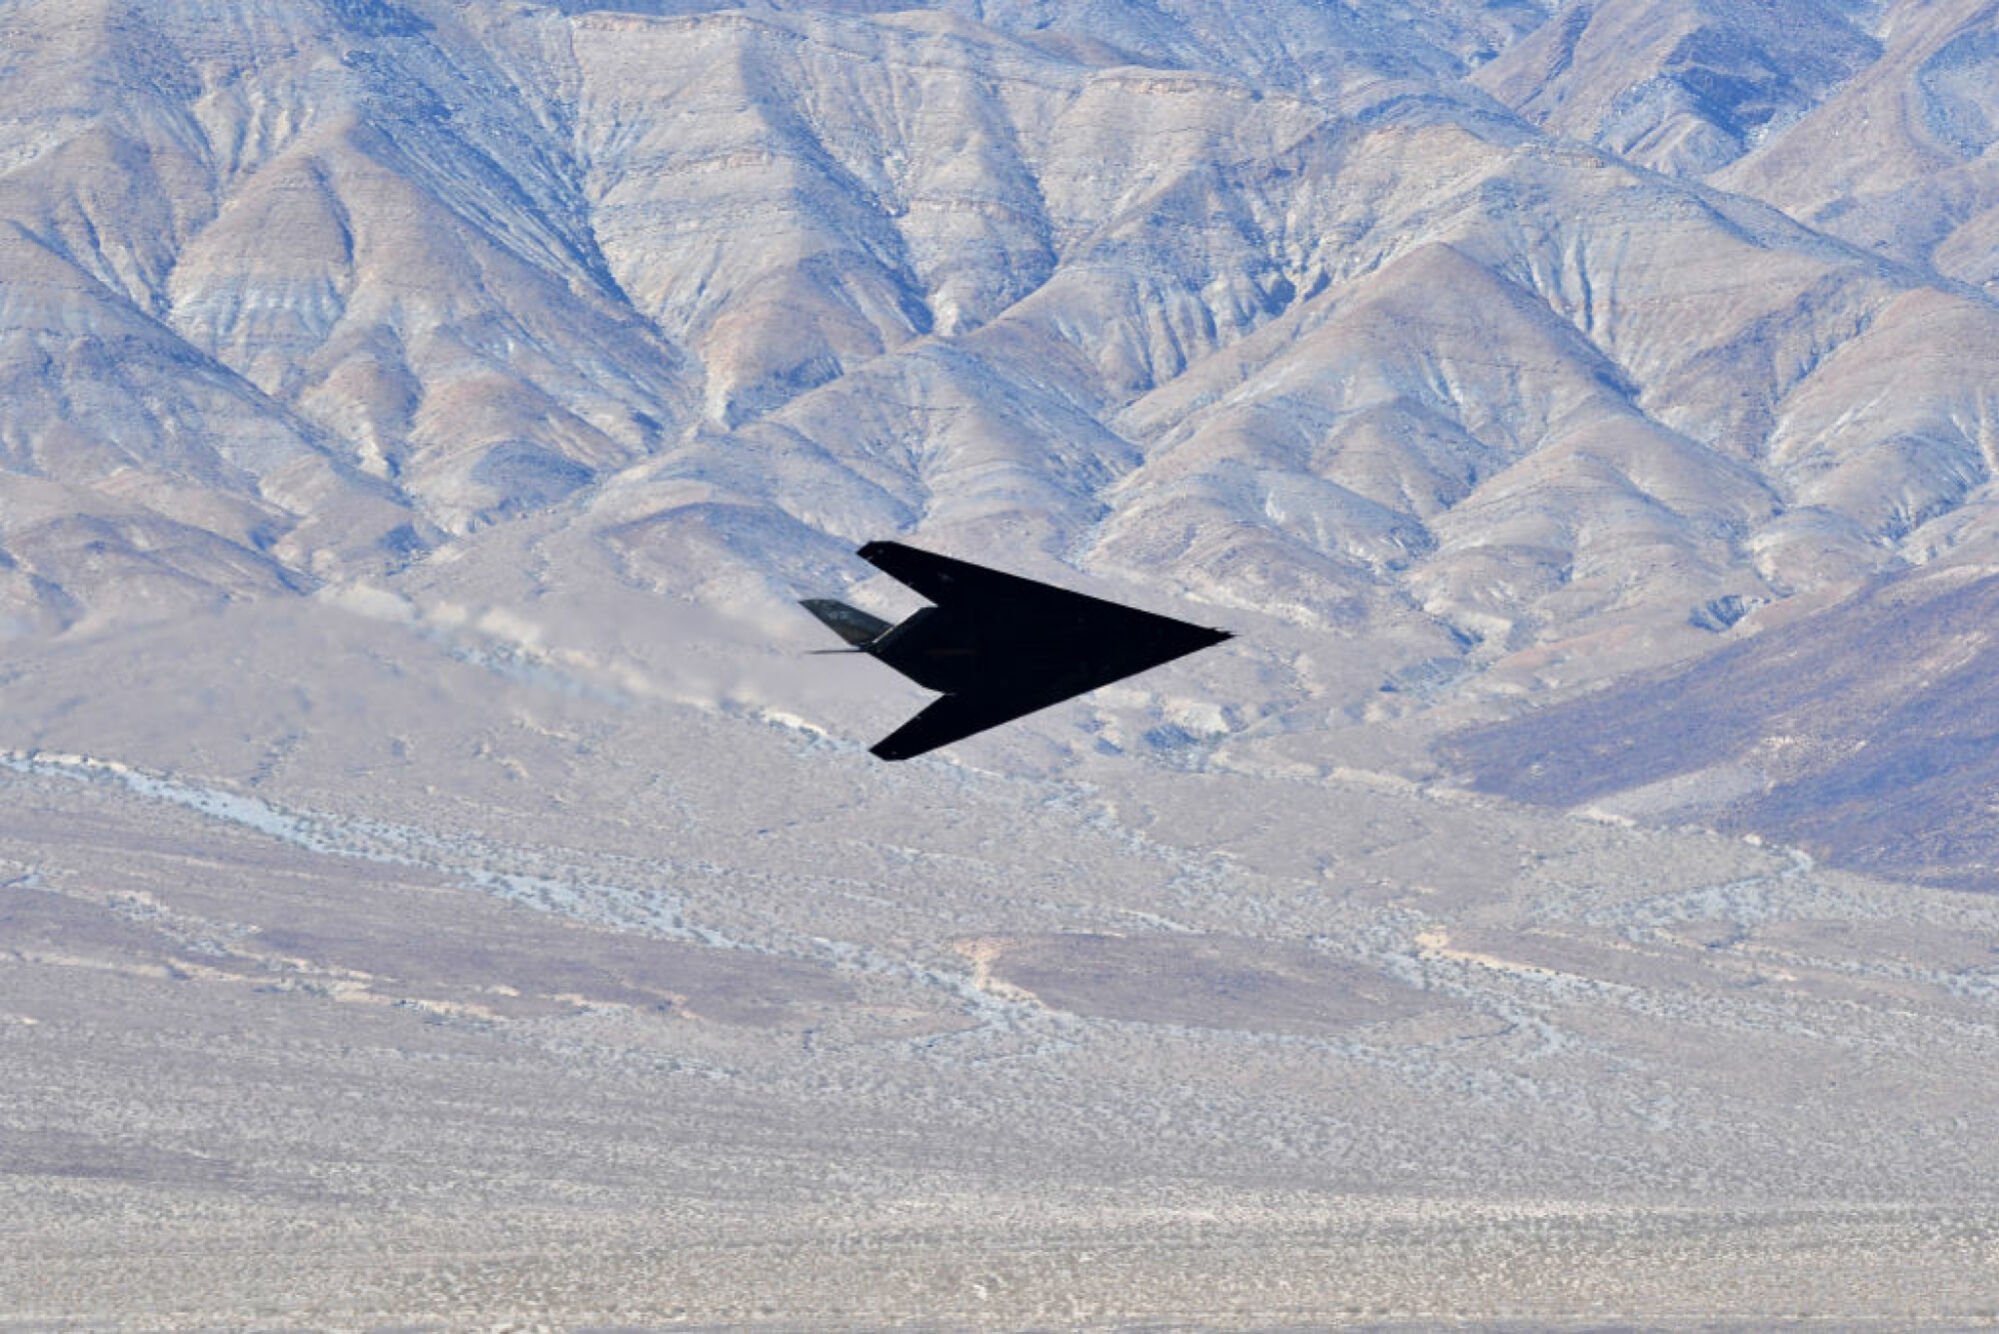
{"points": [[1477, 352]]}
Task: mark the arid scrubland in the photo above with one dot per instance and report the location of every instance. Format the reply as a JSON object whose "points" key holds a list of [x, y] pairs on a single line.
{"points": [[437, 890]]}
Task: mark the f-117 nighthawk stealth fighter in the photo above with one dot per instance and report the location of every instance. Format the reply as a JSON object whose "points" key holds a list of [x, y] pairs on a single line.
{"points": [[998, 646]]}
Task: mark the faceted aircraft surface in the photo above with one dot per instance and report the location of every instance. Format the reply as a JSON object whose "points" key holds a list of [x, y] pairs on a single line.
{"points": [[998, 646]]}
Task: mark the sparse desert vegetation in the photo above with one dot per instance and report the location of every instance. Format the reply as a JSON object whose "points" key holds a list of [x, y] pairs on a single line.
{"points": [[438, 891]]}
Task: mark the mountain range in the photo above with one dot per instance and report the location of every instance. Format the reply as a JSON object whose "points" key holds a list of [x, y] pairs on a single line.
{"points": [[440, 886], [1469, 355]]}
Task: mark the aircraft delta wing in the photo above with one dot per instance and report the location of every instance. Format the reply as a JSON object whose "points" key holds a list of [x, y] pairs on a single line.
{"points": [[998, 646]]}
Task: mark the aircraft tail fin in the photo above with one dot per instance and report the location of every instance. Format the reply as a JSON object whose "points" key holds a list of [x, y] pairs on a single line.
{"points": [[850, 623]]}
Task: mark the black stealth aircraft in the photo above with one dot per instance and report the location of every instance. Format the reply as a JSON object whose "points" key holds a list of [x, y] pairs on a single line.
{"points": [[997, 645]]}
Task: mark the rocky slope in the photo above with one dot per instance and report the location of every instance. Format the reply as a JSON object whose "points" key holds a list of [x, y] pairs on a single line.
{"points": [[1475, 351], [436, 887], [1862, 734]]}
